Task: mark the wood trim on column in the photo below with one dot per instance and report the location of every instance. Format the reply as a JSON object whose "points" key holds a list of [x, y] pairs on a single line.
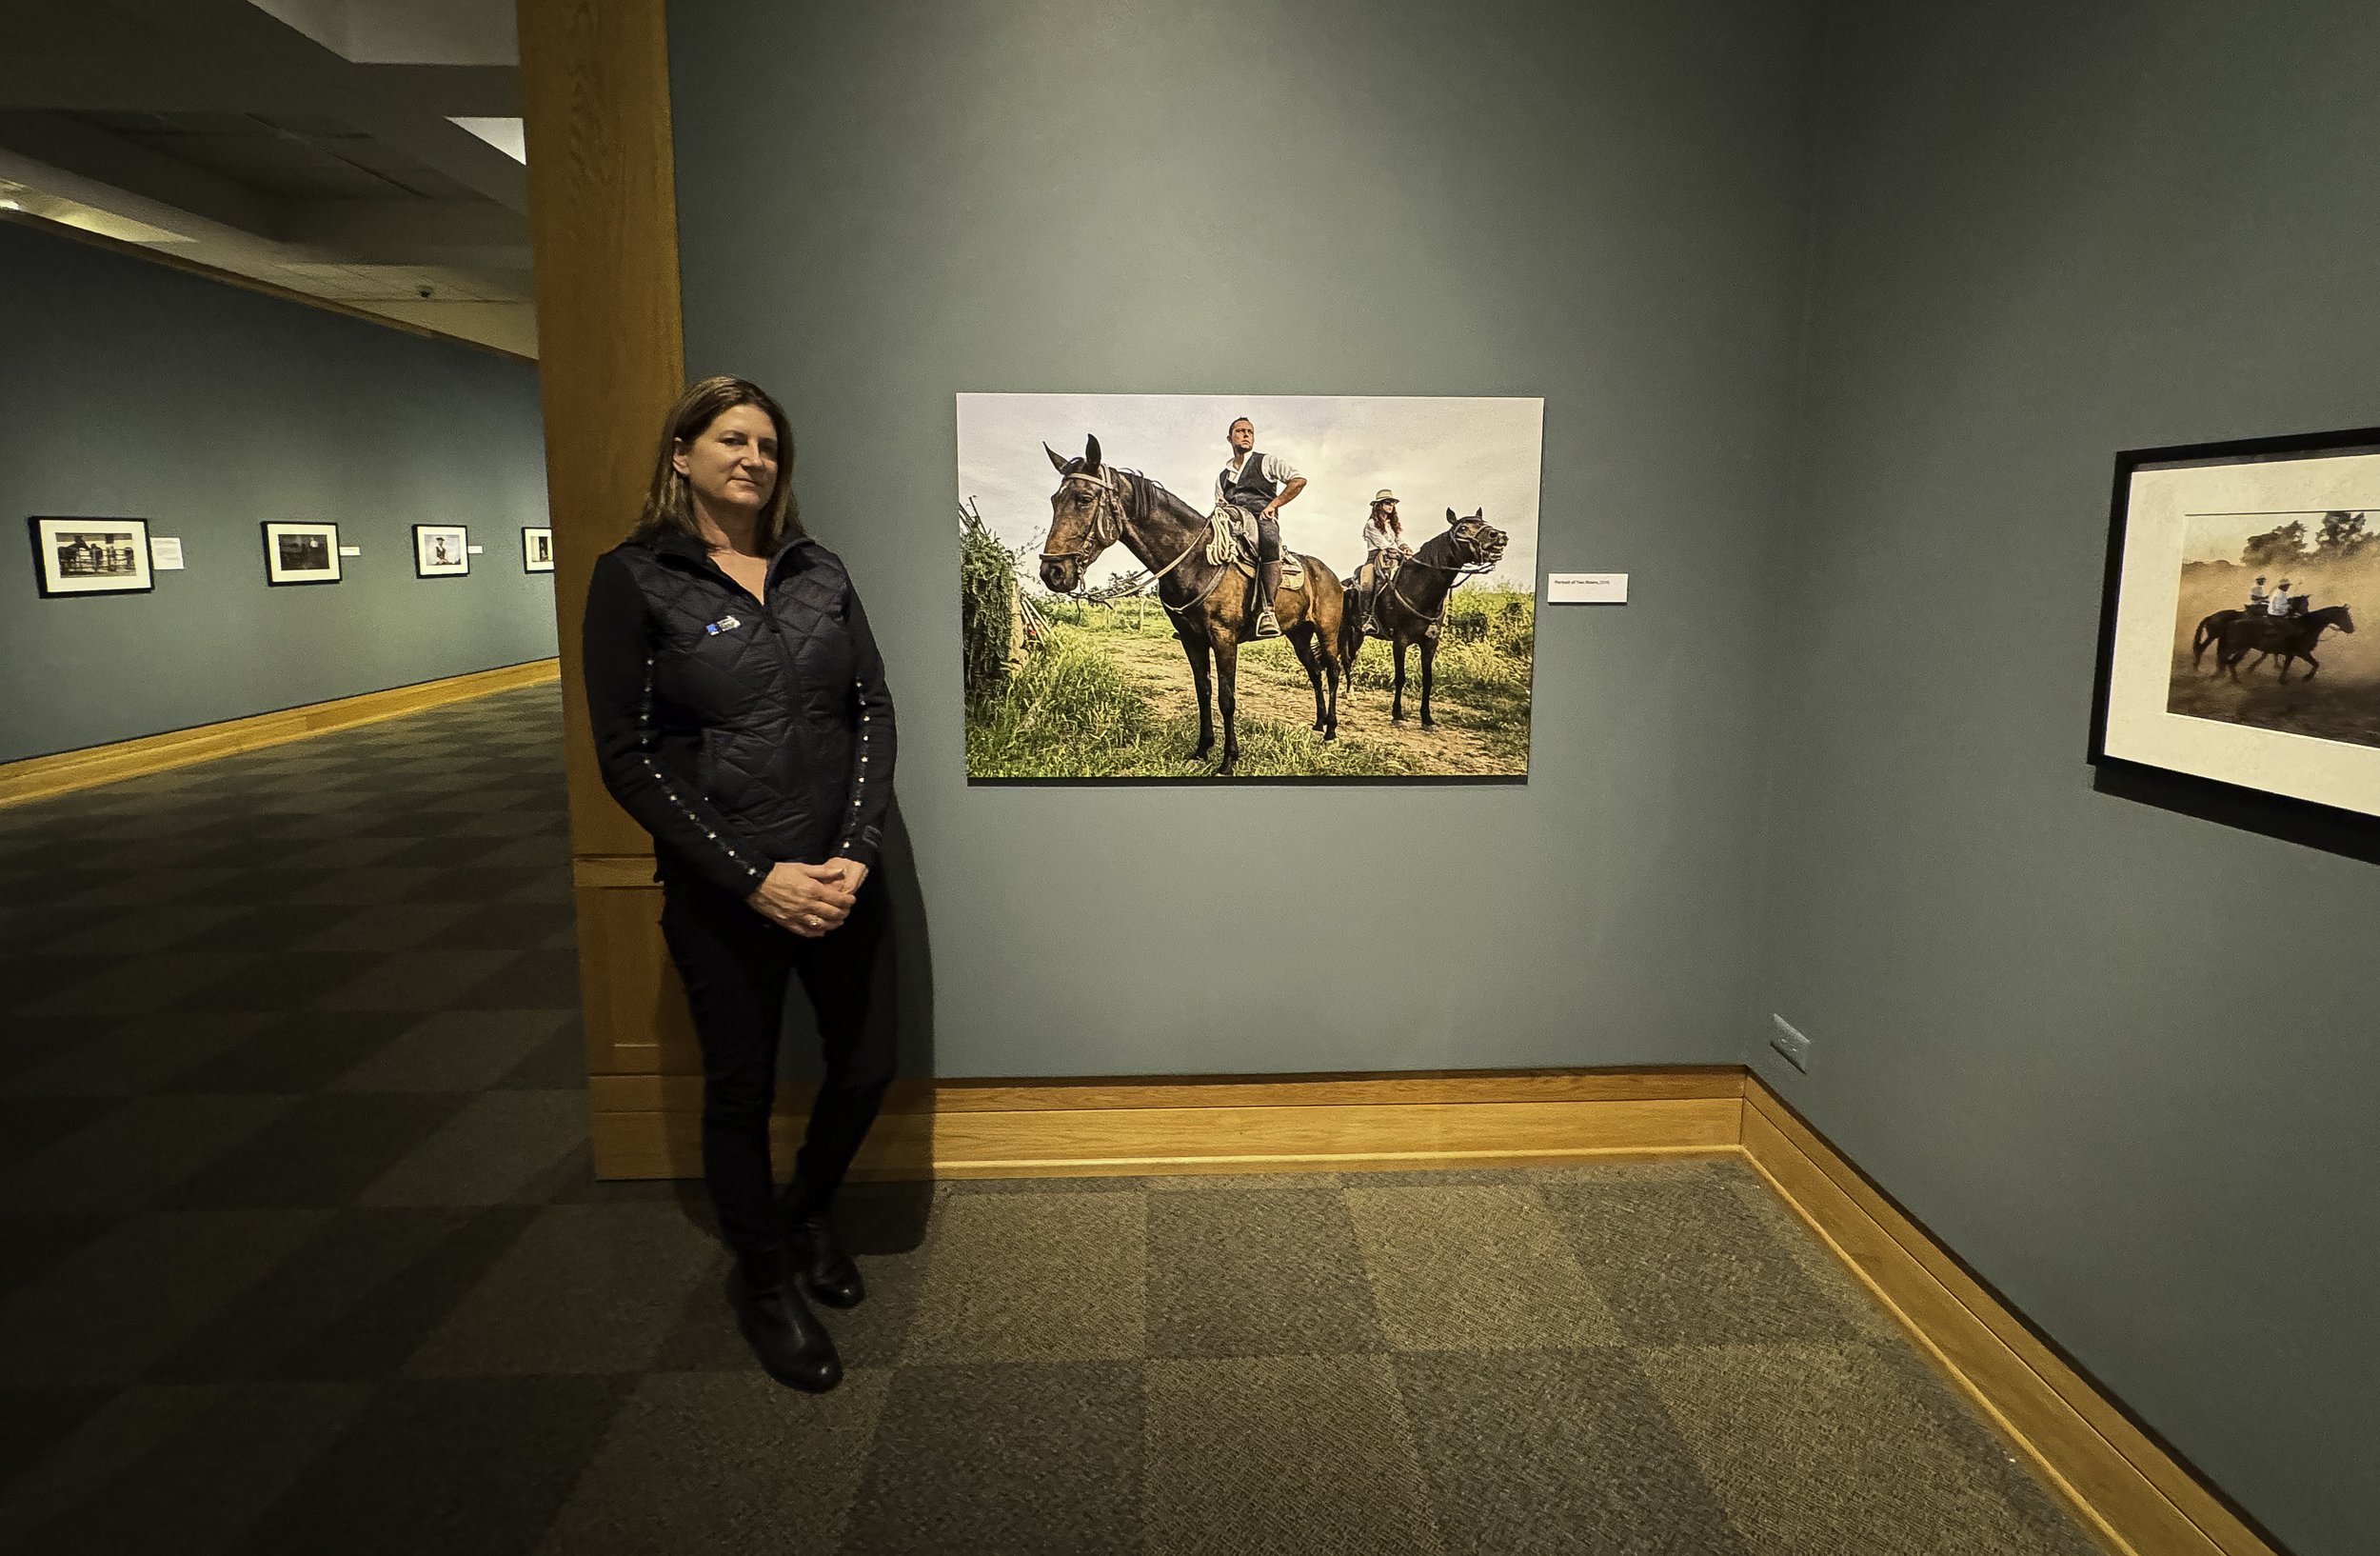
{"points": [[36, 777], [603, 214], [2137, 1496]]}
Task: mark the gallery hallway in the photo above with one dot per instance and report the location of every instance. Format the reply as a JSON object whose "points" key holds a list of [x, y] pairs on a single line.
{"points": [[299, 1252]]}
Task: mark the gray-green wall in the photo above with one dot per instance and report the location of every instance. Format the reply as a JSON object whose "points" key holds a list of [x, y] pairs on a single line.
{"points": [[131, 390], [1851, 433], [2120, 1059], [881, 205]]}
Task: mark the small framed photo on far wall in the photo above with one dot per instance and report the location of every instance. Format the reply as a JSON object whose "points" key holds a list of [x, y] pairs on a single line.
{"points": [[301, 553], [91, 556], [441, 550], [537, 549]]}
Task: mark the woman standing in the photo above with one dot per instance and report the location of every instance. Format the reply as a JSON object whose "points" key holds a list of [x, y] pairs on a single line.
{"points": [[739, 711]]}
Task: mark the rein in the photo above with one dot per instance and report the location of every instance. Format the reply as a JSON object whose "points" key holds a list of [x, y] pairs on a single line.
{"points": [[1460, 571], [1108, 523]]}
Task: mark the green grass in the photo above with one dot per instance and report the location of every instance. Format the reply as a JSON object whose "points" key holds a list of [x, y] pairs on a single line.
{"points": [[1069, 714]]}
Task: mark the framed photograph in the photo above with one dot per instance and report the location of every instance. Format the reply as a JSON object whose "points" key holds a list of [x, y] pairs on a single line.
{"points": [[537, 549], [441, 550], [91, 556], [2228, 650], [301, 553], [1301, 588]]}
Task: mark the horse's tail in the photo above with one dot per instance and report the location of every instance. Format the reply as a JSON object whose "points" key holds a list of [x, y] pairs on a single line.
{"points": [[2208, 632], [1350, 628]]}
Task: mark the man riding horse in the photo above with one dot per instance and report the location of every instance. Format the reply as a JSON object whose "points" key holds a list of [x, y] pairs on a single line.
{"points": [[1259, 486]]}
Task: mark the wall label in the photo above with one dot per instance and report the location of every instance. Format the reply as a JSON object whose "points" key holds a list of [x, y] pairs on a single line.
{"points": [[474, 550], [350, 551], [165, 553], [1586, 589]]}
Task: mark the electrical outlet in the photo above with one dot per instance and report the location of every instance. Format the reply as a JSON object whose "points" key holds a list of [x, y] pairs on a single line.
{"points": [[1790, 1042]]}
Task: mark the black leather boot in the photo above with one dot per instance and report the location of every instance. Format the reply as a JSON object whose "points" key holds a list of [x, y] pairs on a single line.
{"points": [[819, 1262], [1268, 584], [792, 1345]]}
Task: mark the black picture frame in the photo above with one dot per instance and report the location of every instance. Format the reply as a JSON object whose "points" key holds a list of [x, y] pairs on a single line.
{"points": [[74, 555], [2123, 772], [537, 548], [279, 568], [426, 535]]}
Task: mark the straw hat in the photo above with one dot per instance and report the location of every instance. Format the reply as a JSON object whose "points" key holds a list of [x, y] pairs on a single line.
{"points": [[1384, 495]]}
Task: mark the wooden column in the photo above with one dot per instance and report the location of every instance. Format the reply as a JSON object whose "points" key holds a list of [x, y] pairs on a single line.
{"points": [[595, 95]]}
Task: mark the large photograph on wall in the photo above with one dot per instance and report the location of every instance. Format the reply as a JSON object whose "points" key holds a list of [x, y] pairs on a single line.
{"points": [[2230, 650], [1186, 587]]}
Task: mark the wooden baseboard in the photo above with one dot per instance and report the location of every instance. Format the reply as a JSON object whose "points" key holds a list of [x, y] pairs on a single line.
{"points": [[648, 1125], [2127, 1488], [36, 777]]}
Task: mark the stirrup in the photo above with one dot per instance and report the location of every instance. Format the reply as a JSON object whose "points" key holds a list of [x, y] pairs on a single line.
{"points": [[1267, 624]]}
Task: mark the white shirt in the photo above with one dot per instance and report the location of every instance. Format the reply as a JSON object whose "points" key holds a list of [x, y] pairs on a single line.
{"points": [[1380, 537], [1273, 467], [2279, 604]]}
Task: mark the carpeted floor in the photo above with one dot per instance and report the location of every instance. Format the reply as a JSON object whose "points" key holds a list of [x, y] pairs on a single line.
{"points": [[299, 1252]]}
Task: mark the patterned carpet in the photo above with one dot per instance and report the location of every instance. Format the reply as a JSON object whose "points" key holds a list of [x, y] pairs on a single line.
{"points": [[299, 1252]]}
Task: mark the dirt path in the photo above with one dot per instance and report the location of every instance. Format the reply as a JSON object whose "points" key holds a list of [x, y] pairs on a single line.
{"points": [[1273, 687]]}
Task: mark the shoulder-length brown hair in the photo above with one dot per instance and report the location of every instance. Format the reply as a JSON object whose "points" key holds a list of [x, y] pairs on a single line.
{"points": [[669, 500]]}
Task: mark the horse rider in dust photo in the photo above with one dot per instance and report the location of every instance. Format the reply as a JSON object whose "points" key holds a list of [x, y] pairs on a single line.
{"points": [[1259, 486], [2258, 595], [1384, 547]]}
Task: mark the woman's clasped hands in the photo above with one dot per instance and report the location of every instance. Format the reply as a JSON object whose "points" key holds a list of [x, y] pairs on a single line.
{"points": [[808, 900]]}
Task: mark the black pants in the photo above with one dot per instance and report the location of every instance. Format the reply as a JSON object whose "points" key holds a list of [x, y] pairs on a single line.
{"points": [[736, 965]]}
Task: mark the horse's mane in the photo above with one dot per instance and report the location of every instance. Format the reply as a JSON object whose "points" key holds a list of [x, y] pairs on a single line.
{"points": [[1158, 489], [1439, 548]]}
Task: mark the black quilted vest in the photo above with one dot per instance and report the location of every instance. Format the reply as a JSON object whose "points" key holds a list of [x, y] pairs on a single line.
{"points": [[753, 701]]}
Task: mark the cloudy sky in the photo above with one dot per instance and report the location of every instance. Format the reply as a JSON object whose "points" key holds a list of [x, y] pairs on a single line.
{"points": [[1435, 453]]}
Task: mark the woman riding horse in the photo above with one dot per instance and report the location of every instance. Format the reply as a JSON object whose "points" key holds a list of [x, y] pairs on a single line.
{"points": [[1384, 547]]}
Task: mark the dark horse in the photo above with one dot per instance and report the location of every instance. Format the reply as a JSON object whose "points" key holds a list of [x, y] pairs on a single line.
{"points": [[2210, 630], [1212, 604], [1410, 606], [2281, 637]]}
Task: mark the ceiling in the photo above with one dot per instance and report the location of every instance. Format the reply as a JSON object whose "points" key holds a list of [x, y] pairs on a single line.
{"points": [[366, 151]]}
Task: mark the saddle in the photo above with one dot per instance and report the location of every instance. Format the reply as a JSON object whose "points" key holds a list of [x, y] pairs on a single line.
{"points": [[1235, 536], [1293, 572]]}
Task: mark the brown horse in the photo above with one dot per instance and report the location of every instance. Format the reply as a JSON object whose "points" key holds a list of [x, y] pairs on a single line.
{"points": [[1212, 604], [1410, 605]]}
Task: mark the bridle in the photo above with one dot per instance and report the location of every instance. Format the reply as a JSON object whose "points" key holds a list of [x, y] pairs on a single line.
{"points": [[1107, 528], [1107, 518], [1460, 570]]}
